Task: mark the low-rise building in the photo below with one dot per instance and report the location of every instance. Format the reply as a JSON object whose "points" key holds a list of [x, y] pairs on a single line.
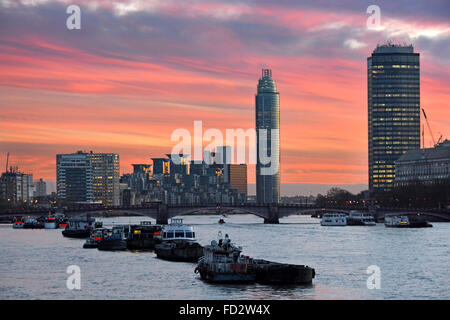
{"points": [[430, 165]]}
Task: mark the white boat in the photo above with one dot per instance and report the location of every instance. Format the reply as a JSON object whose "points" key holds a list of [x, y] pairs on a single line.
{"points": [[405, 221], [178, 243], [357, 218], [334, 219], [176, 230]]}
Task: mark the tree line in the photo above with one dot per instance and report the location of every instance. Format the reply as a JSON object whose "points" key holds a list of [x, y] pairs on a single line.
{"points": [[414, 195]]}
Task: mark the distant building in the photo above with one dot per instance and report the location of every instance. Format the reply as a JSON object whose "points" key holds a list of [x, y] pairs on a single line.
{"points": [[161, 166], [237, 178], [142, 173], [267, 105], [30, 184], [88, 177], [40, 189], [430, 165], [180, 168], [74, 178], [105, 177], [184, 182], [393, 84], [15, 187]]}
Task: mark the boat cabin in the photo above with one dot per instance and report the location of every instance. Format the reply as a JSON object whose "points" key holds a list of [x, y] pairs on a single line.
{"points": [[81, 223], [176, 230]]}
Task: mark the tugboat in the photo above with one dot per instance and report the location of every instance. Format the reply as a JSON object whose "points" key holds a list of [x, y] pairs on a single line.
{"points": [[334, 219], [178, 243], [360, 219], [114, 240], [95, 238], [18, 223], [406, 221], [80, 227], [144, 236], [222, 262]]}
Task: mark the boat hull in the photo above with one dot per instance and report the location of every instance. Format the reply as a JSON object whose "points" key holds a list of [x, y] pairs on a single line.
{"points": [[268, 272], [112, 245], [333, 224], [80, 234], [18, 226], [188, 253], [33, 225], [90, 245], [351, 222], [421, 225], [224, 277], [142, 244], [51, 225]]}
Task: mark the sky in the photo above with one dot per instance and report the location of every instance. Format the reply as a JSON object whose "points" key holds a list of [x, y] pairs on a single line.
{"points": [[138, 70]]}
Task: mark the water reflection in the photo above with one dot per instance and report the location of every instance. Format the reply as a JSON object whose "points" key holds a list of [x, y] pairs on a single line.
{"points": [[412, 262]]}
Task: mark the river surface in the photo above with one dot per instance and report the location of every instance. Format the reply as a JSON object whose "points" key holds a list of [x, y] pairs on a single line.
{"points": [[414, 263]]}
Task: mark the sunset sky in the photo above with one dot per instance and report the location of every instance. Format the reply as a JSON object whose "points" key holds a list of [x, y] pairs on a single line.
{"points": [[137, 70]]}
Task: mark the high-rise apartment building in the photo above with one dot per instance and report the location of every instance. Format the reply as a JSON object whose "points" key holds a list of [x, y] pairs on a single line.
{"points": [[89, 177], [267, 103], [15, 187], [393, 74], [40, 189], [74, 181], [105, 177]]}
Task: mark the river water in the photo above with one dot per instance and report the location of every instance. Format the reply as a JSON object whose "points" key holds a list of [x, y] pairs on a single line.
{"points": [[414, 263]]}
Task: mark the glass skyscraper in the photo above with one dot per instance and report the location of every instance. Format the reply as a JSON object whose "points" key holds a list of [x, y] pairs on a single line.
{"points": [[267, 102], [393, 75]]}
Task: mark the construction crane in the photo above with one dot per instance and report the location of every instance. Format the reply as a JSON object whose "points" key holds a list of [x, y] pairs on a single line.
{"points": [[429, 128], [440, 138]]}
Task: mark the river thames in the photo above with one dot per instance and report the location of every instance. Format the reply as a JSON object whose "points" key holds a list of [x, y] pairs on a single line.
{"points": [[414, 263]]}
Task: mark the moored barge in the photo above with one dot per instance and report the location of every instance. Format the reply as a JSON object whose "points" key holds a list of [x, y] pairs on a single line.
{"points": [[114, 239], [143, 236]]}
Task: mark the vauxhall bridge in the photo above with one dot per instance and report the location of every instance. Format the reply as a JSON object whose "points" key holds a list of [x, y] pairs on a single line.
{"points": [[271, 213]]}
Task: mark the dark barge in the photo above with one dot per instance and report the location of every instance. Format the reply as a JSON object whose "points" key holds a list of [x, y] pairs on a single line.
{"points": [[143, 236], [269, 272], [223, 263]]}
